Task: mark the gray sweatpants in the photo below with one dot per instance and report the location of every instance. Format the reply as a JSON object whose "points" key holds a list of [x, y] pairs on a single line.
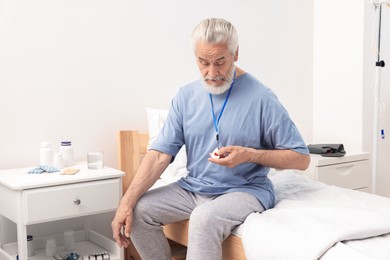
{"points": [[212, 218]]}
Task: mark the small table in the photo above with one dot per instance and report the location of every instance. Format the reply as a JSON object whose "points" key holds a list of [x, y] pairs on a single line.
{"points": [[28, 199], [351, 171]]}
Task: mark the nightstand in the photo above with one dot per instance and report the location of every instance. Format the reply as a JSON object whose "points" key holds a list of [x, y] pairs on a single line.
{"points": [[28, 199], [351, 171]]}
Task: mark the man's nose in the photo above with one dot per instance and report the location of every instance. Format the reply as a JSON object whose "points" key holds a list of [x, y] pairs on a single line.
{"points": [[213, 71]]}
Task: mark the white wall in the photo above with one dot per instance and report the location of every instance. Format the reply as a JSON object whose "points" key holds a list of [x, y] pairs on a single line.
{"points": [[338, 68], [82, 70]]}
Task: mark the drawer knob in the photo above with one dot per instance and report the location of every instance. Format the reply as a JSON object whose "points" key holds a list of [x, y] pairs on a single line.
{"points": [[77, 201]]}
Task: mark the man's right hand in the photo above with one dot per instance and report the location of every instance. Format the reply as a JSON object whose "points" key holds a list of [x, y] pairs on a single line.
{"points": [[121, 225], [148, 172]]}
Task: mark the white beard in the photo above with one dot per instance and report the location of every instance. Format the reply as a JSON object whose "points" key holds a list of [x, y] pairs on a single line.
{"points": [[217, 90]]}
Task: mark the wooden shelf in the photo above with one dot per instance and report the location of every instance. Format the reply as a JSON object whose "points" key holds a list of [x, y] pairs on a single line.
{"points": [[96, 244]]}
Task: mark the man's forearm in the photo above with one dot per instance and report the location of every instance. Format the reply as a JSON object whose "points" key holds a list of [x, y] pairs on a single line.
{"points": [[279, 159], [147, 174]]}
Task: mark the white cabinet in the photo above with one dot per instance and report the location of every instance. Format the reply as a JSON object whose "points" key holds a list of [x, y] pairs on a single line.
{"points": [[351, 171], [29, 199], [70, 200]]}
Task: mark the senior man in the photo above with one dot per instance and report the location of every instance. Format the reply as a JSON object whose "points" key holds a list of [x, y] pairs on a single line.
{"points": [[234, 129]]}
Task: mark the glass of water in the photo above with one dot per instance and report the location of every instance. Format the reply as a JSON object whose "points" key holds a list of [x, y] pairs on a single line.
{"points": [[95, 158]]}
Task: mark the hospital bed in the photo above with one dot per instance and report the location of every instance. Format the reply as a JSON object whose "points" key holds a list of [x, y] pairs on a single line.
{"points": [[311, 220]]}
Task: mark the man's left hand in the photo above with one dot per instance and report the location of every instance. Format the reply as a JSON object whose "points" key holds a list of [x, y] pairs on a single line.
{"points": [[231, 156]]}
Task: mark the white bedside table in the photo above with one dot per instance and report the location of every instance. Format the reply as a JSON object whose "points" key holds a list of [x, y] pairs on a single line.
{"points": [[351, 171], [28, 199]]}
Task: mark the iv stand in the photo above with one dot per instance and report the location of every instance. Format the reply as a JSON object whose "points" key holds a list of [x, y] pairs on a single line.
{"points": [[379, 64]]}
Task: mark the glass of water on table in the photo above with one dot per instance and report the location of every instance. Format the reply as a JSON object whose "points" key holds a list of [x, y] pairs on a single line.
{"points": [[95, 158]]}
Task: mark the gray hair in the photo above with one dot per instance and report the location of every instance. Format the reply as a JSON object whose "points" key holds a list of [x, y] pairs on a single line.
{"points": [[215, 30]]}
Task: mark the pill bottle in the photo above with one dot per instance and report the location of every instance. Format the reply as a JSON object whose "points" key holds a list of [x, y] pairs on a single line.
{"points": [[69, 242], [58, 161], [51, 247], [30, 245], [66, 150], [46, 154]]}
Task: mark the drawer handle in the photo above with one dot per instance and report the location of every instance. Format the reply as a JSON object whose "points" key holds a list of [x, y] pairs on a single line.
{"points": [[77, 201], [344, 170]]}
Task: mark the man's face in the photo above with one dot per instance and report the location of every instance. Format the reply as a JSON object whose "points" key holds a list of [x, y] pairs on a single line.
{"points": [[216, 65]]}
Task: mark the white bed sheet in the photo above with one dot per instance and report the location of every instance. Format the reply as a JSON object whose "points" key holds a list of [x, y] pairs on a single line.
{"points": [[375, 248], [310, 218]]}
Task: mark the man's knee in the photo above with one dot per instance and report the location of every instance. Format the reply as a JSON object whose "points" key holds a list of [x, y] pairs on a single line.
{"points": [[141, 211], [203, 218]]}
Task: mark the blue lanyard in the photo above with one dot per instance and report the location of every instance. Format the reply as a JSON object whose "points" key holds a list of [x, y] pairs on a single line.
{"points": [[216, 121]]}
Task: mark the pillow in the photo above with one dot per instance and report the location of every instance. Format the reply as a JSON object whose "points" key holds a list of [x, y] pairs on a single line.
{"points": [[178, 168]]}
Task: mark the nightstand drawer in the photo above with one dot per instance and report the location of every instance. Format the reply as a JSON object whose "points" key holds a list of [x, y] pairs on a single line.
{"points": [[353, 175], [73, 200]]}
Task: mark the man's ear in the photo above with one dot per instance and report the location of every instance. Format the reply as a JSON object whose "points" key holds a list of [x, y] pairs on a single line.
{"points": [[236, 55]]}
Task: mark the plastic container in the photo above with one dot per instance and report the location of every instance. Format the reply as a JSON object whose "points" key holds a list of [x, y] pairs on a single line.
{"points": [[66, 150], [69, 242], [51, 247], [30, 246], [46, 154], [58, 161]]}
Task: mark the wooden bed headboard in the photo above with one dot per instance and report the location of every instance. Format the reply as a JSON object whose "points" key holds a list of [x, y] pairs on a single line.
{"points": [[132, 147]]}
